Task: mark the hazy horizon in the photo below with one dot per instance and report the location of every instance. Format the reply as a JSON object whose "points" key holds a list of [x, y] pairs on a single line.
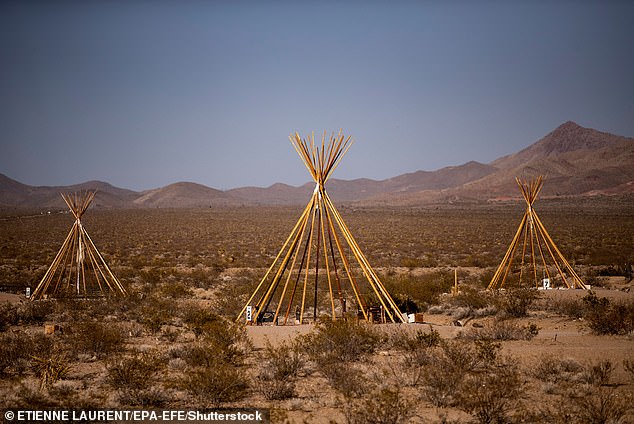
{"points": [[144, 94]]}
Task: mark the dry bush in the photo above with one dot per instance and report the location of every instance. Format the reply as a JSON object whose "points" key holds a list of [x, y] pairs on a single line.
{"points": [[629, 367], [452, 362], [135, 378], [214, 374], [410, 342], [199, 320], [515, 303], [501, 330], [605, 317], [559, 371], [155, 312], [599, 374], [422, 291], [176, 290], [491, 396], [416, 351], [572, 308], [146, 398], [212, 386], [228, 344], [35, 313], [443, 375], [8, 315], [279, 369], [472, 298], [96, 338], [346, 379], [385, 406], [28, 395], [340, 341], [601, 405], [16, 351]]}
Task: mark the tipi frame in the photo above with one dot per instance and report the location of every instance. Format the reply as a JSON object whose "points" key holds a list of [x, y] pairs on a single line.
{"points": [[315, 254], [536, 247], [78, 267]]}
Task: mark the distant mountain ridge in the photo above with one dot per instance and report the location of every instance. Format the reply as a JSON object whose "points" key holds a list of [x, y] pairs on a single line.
{"points": [[576, 161]]}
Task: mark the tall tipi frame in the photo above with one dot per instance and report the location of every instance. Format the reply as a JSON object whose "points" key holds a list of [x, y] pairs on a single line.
{"points": [[318, 253], [78, 268], [538, 248]]}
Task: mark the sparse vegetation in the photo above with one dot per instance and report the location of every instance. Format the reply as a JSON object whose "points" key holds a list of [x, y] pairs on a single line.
{"points": [[605, 317], [172, 343]]}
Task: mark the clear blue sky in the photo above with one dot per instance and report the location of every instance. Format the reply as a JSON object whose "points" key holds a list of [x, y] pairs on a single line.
{"points": [[146, 93]]}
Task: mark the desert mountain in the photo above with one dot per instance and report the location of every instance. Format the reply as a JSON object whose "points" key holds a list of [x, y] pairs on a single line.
{"points": [[576, 161], [182, 195], [16, 194]]}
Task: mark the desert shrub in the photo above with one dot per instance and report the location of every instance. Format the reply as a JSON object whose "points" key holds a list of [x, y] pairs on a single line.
{"points": [[199, 320], [599, 374], [28, 395], [345, 379], [16, 351], [340, 341], [502, 330], [472, 298], [440, 385], [224, 341], [450, 365], [8, 315], [516, 302], [215, 385], [602, 405], [572, 308], [558, 371], [155, 313], [422, 292], [175, 290], [35, 312], [135, 378], [629, 367], [145, 398], [416, 350], [410, 342], [386, 406], [490, 397], [279, 369], [443, 374], [275, 389], [284, 361], [50, 369], [133, 373], [97, 338], [605, 317]]}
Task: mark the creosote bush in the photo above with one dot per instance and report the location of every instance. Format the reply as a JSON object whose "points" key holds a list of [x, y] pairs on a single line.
{"points": [[501, 330], [215, 385], [215, 373], [515, 303], [341, 341], [279, 368], [385, 406], [16, 351], [491, 396], [135, 378], [96, 338], [605, 317]]}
